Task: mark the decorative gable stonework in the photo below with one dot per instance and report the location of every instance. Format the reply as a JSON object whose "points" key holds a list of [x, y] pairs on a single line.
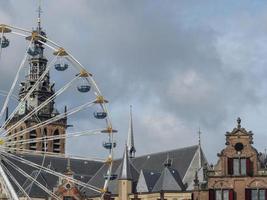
{"points": [[238, 174]]}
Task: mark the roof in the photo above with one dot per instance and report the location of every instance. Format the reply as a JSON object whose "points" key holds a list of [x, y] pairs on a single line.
{"points": [[83, 170], [181, 161], [147, 180], [93, 172], [169, 180]]}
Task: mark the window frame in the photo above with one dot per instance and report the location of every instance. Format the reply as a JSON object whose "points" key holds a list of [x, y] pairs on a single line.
{"points": [[258, 190]]}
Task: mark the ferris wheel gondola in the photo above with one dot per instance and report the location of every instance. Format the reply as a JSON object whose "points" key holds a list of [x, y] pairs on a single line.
{"points": [[4, 42]]}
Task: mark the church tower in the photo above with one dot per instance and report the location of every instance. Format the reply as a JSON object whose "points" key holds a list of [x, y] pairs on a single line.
{"points": [[37, 84], [125, 177]]}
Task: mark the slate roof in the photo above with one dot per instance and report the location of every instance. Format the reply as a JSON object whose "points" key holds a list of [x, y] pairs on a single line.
{"points": [[93, 172], [169, 180], [83, 170], [147, 180], [181, 160]]}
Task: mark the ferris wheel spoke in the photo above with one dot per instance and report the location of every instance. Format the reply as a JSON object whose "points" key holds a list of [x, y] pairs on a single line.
{"points": [[50, 41], [57, 174], [50, 154], [22, 172], [54, 119], [78, 65], [55, 137], [35, 110], [14, 83], [29, 92], [53, 48], [15, 181], [18, 29], [2, 34], [19, 34]]}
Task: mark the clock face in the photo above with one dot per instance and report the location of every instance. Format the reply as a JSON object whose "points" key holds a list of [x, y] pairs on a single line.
{"points": [[22, 108]]}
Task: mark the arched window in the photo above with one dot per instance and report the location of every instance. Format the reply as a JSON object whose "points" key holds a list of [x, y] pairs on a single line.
{"points": [[44, 140], [56, 142], [33, 136]]}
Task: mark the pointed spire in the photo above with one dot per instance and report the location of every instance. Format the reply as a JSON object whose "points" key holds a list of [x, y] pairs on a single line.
{"points": [[39, 15], [125, 171], [199, 149], [199, 137], [68, 168], [130, 140]]}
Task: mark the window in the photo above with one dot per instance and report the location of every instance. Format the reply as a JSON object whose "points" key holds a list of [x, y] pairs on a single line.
{"points": [[239, 166], [221, 194], [255, 194]]}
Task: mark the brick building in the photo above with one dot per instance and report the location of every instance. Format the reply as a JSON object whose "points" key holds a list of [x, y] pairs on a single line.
{"points": [[240, 173]]}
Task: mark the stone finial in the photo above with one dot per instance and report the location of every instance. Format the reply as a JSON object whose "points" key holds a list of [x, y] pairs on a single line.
{"points": [[238, 122]]}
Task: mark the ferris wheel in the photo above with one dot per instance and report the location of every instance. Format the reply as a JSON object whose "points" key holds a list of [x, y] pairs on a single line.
{"points": [[32, 125]]}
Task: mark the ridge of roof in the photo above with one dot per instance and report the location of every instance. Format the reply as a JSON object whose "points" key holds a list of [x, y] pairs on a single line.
{"points": [[161, 152]]}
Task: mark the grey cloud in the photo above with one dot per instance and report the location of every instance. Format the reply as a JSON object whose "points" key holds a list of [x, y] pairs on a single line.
{"points": [[181, 67]]}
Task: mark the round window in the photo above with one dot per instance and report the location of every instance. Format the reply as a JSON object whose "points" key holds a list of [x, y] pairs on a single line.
{"points": [[239, 146]]}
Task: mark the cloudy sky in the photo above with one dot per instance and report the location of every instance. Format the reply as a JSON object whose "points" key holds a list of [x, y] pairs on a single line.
{"points": [[181, 64]]}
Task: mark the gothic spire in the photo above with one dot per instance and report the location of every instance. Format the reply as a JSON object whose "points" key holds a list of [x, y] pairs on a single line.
{"points": [[130, 140], [125, 170]]}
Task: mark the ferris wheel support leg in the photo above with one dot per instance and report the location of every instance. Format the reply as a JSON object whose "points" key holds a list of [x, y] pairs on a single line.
{"points": [[10, 190]]}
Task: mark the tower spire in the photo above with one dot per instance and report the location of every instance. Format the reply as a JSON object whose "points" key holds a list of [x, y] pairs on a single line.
{"points": [[39, 16], [199, 137], [125, 171], [199, 149], [130, 140]]}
